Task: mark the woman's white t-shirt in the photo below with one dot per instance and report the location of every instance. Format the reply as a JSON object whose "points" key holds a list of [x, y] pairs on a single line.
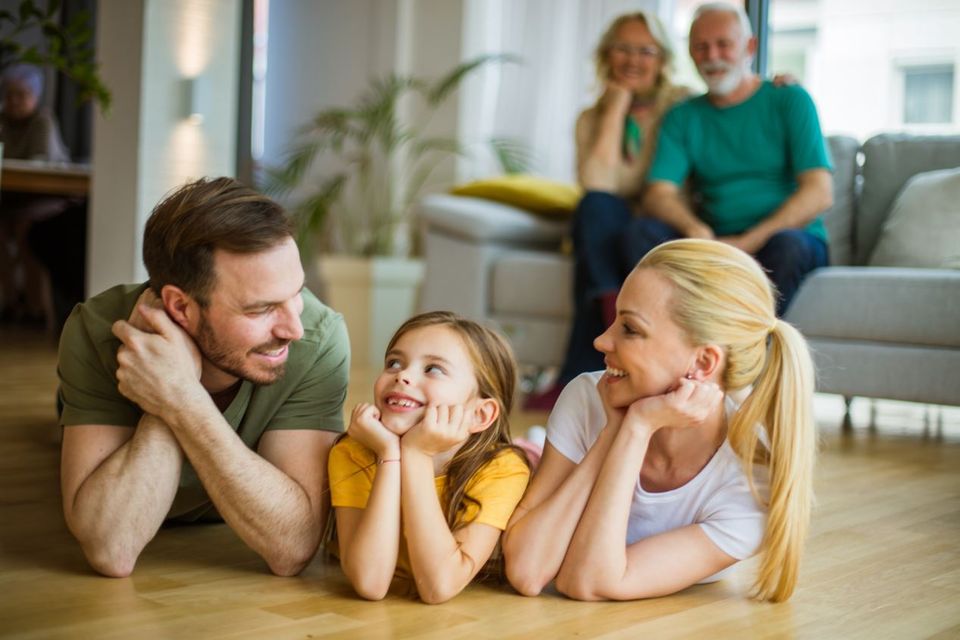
{"points": [[718, 498]]}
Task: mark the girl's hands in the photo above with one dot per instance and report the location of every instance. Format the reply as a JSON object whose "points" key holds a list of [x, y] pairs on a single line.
{"points": [[442, 428], [688, 405], [366, 428]]}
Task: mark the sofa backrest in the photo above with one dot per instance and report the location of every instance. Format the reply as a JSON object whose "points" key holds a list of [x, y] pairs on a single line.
{"points": [[889, 160], [839, 218]]}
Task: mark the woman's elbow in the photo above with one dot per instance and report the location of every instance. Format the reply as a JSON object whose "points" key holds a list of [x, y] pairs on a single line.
{"points": [[579, 585]]}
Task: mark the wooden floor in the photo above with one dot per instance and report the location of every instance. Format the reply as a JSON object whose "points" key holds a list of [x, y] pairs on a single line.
{"points": [[883, 561]]}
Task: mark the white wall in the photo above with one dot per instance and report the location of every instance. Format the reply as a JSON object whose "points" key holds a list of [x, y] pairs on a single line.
{"points": [[144, 147], [114, 227], [319, 55], [324, 54]]}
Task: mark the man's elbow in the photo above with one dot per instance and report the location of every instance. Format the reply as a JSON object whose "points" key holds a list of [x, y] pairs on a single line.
{"points": [[112, 563], [827, 198], [291, 563]]}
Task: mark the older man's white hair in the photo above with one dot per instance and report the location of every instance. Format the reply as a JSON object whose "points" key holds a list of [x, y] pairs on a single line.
{"points": [[722, 7]]}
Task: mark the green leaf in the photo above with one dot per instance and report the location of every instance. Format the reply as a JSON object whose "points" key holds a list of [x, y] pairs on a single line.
{"points": [[449, 83], [26, 10], [513, 155]]}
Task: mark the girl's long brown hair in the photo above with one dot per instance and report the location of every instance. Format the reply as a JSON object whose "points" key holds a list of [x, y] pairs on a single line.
{"points": [[496, 371]]}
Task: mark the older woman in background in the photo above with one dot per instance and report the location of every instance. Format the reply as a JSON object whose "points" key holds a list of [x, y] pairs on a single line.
{"points": [[28, 132], [615, 141]]}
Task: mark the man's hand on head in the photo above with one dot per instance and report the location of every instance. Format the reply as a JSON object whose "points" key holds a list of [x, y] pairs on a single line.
{"points": [[147, 299], [159, 366]]}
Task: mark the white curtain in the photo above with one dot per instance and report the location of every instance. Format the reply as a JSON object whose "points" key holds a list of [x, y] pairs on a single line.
{"points": [[537, 101]]}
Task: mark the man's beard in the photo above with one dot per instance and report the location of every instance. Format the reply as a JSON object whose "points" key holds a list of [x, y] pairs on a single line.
{"points": [[235, 363], [729, 81]]}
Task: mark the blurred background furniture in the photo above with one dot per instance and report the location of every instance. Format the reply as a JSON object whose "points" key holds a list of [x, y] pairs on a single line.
{"points": [[884, 332]]}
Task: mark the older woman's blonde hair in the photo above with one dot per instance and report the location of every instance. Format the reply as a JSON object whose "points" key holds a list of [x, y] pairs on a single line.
{"points": [[656, 29], [721, 296]]}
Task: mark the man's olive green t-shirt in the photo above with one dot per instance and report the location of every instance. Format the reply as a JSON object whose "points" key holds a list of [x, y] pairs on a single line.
{"points": [[309, 396]]}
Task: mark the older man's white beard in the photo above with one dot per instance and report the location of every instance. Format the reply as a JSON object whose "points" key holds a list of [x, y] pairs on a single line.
{"points": [[726, 84]]}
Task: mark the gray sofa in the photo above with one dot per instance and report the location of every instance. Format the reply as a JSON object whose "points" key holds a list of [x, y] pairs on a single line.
{"points": [[875, 331]]}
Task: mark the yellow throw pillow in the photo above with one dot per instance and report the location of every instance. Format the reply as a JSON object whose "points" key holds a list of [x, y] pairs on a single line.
{"points": [[532, 193]]}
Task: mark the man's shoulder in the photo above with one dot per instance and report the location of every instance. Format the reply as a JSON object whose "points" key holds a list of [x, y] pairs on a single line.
{"points": [[324, 338], [319, 320], [94, 318], [788, 95]]}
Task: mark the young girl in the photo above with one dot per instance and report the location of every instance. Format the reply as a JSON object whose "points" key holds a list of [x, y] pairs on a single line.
{"points": [[653, 478], [432, 452]]}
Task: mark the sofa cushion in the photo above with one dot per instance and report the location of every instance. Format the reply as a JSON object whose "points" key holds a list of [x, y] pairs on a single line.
{"points": [[880, 304], [532, 284], [480, 221], [531, 193], [889, 160], [923, 229]]}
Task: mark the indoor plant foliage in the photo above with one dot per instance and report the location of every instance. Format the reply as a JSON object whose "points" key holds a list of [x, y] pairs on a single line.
{"points": [[67, 48], [383, 162]]}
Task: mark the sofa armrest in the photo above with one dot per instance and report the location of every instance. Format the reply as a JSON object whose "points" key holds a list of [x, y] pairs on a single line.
{"points": [[486, 222]]}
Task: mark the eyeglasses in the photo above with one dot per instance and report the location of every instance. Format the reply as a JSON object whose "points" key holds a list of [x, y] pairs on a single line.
{"points": [[644, 51]]}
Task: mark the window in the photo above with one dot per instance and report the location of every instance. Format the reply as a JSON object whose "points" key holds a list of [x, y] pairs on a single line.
{"points": [[871, 67], [928, 94]]}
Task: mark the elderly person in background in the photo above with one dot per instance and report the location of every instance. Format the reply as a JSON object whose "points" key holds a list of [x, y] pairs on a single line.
{"points": [[28, 132], [753, 152], [615, 141]]}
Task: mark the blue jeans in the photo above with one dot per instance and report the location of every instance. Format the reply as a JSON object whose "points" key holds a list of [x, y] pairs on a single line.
{"points": [[600, 267], [608, 242]]}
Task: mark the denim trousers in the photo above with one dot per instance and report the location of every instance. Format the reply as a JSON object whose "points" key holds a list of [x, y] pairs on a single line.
{"points": [[608, 241]]}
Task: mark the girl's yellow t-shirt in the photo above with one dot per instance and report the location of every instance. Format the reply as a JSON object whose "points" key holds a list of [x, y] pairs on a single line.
{"points": [[497, 487]]}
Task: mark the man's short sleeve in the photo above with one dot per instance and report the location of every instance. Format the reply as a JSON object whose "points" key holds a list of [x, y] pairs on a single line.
{"points": [[807, 147], [351, 469], [317, 400], [672, 160], [88, 386]]}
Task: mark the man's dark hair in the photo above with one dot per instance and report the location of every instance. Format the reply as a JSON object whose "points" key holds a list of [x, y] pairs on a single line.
{"points": [[200, 217]]}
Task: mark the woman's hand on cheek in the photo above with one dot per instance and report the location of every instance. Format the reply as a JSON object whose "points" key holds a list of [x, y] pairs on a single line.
{"points": [[689, 404], [616, 96], [614, 414], [366, 428], [442, 428]]}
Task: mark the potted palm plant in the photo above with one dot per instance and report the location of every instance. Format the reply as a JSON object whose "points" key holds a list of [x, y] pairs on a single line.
{"points": [[359, 214]]}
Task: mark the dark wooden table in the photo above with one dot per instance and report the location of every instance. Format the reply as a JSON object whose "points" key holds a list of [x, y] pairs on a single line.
{"points": [[30, 176]]}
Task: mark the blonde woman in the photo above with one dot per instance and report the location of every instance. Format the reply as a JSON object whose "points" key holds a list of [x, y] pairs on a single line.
{"points": [[654, 476], [615, 141]]}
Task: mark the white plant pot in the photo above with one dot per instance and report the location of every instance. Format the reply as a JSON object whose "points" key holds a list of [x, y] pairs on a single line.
{"points": [[375, 296]]}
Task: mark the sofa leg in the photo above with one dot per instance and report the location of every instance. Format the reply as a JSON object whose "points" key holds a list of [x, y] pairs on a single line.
{"points": [[847, 424]]}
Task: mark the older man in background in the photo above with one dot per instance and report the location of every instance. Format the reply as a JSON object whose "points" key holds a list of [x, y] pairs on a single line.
{"points": [[754, 155]]}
